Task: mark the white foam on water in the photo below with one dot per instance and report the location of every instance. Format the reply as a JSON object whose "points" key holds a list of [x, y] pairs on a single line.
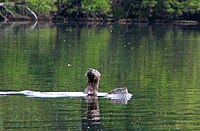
{"points": [[9, 93], [52, 94], [119, 96], [63, 94]]}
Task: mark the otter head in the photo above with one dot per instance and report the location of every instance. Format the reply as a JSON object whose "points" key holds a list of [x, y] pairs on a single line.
{"points": [[93, 76], [93, 81]]}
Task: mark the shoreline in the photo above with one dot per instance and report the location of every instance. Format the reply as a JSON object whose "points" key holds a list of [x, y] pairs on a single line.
{"points": [[123, 21], [60, 19], [52, 17]]}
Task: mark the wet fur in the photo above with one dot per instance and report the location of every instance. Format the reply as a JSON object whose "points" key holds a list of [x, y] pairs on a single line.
{"points": [[93, 81]]}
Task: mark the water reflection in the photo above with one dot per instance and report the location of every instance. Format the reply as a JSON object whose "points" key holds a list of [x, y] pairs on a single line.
{"points": [[91, 117], [158, 64], [20, 25], [120, 101]]}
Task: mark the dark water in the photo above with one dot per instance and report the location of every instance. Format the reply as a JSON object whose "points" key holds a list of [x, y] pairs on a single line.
{"points": [[158, 64]]}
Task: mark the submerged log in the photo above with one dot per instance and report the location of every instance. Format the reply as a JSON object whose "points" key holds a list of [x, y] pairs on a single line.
{"points": [[186, 22]]}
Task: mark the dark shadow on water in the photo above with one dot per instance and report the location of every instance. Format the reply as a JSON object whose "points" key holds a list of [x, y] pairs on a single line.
{"points": [[91, 115]]}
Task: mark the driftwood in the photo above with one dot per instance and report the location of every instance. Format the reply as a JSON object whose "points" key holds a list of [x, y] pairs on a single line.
{"points": [[35, 16], [5, 19], [22, 4]]}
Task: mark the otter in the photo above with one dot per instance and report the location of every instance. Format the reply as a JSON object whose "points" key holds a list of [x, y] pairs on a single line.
{"points": [[93, 84], [93, 81]]}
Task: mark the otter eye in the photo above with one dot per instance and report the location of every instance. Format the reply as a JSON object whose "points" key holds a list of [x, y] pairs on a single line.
{"points": [[89, 69]]}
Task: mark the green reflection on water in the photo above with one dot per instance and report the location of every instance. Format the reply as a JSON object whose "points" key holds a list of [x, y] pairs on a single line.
{"points": [[158, 64]]}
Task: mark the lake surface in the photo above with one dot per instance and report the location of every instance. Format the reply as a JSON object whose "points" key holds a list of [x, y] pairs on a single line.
{"points": [[159, 64]]}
